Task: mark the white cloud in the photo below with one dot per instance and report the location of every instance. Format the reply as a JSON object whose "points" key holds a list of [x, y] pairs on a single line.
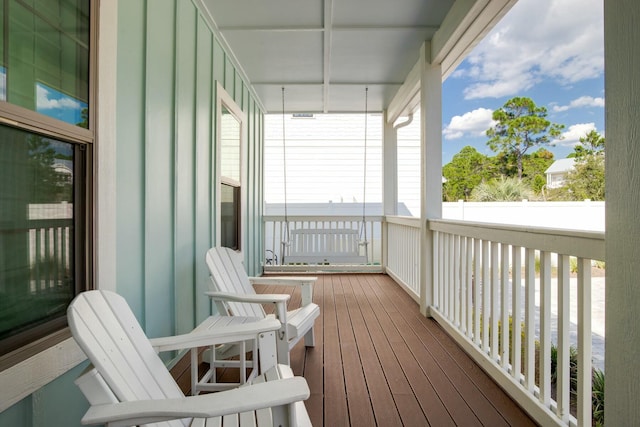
{"points": [[583, 101], [44, 102], [538, 40], [473, 123], [572, 136]]}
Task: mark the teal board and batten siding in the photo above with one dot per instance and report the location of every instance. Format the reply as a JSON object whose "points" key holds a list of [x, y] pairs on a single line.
{"points": [[169, 61]]}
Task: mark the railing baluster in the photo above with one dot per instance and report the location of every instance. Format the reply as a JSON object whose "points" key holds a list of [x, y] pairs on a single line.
{"points": [[476, 290], [516, 311], [437, 265], [450, 285], [495, 300], [562, 363], [545, 329], [504, 305], [56, 256], [447, 274], [48, 259], [469, 285], [584, 342], [454, 308], [38, 266], [486, 295], [530, 321], [64, 254], [441, 274]]}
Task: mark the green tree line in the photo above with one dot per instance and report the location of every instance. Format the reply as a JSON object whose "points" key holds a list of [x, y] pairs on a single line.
{"points": [[517, 172]]}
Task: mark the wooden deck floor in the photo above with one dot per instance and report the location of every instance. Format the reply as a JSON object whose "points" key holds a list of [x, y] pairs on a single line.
{"points": [[378, 362]]}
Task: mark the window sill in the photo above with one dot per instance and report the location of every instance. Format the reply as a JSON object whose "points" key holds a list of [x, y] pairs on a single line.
{"points": [[27, 376]]}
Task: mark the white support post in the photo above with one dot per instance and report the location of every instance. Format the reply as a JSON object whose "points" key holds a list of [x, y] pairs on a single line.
{"points": [[389, 178], [431, 167], [622, 293]]}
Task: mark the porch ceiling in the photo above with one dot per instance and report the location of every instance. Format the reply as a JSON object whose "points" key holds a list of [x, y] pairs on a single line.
{"points": [[326, 52]]}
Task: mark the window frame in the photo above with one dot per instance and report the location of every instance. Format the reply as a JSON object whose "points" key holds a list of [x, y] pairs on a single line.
{"points": [[223, 99], [84, 140]]}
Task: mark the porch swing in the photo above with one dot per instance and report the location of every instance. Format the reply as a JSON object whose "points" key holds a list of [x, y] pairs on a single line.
{"points": [[324, 246]]}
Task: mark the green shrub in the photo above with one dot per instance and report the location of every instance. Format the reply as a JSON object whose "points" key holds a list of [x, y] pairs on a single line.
{"points": [[573, 367], [502, 190], [597, 399], [597, 375], [573, 264]]}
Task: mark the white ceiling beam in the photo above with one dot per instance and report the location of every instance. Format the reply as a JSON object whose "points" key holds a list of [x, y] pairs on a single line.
{"points": [[328, 23], [465, 25], [317, 83], [317, 29], [405, 95], [384, 27], [282, 29]]}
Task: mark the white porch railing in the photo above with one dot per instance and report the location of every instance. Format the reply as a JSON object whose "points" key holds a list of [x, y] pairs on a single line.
{"points": [[485, 276], [50, 251], [276, 241], [403, 252]]}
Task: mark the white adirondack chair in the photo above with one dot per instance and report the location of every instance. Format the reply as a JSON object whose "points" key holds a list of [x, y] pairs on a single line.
{"points": [[234, 295], [130, 385]]}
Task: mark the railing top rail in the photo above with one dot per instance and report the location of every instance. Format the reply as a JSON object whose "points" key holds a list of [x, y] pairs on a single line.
{"points": [[319, 218], [33, 224], [410, 221], [580, 243]]}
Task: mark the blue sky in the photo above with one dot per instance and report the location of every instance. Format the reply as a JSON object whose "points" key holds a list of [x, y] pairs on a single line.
{"points": [[551, 51]]}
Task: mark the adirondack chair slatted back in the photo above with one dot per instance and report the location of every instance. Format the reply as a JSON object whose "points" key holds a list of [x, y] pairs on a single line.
{"points": [[229, 275], [108, 332]]}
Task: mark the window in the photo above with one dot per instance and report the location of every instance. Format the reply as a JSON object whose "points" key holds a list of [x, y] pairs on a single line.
{"points": [[45, 162], [230, 136], [230, 216]]}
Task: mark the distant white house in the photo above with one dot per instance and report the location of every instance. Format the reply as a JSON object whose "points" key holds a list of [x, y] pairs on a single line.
{"points": [[64, 168], [557, 172]]}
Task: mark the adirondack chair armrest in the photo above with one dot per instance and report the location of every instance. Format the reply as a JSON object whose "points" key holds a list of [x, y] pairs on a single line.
{"points": [[221, 335], [279, 300], [258, 298], [305, 283], [244, 399], [283, 280]]}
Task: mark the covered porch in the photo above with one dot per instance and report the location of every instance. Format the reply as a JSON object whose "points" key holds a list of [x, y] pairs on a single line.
{"points": [[429, 345]]}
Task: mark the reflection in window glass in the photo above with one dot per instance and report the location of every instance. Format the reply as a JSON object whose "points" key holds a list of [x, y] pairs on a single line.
{"points": [[230, 145], [230, 216], [36, 230], [52, 103], [45, 55], [3, 84]]}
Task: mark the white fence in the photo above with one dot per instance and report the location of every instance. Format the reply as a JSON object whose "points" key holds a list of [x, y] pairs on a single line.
{"points": [[586, 215]]}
